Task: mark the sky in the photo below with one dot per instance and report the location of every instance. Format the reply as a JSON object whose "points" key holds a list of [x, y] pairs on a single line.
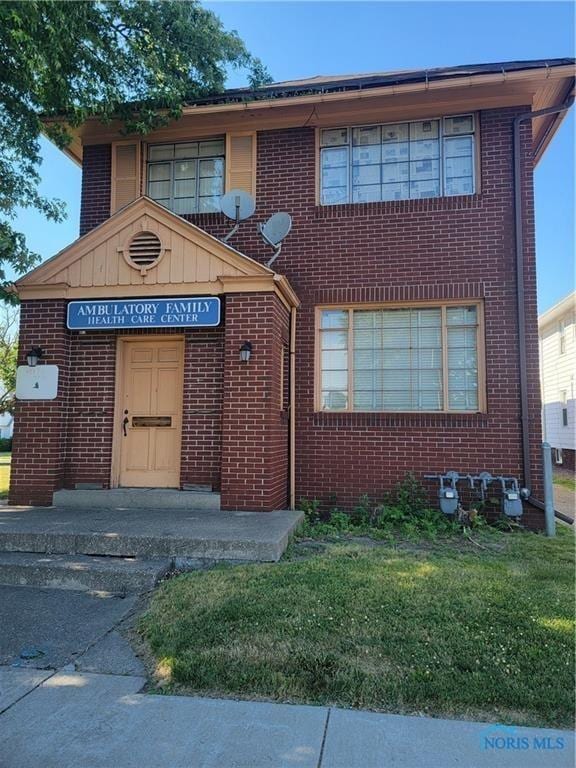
{"points": [[303, 39]]}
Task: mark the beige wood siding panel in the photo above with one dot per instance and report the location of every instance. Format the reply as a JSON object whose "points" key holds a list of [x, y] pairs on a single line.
{"points": [[99, 269], [126, 168], [190, 261], [112, 260], [241, 162], [202, 266], [177, 260]]}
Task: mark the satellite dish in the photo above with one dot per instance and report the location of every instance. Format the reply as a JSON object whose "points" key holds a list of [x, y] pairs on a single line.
{"points": [[236, 205], [276, 228], [274, 231]]}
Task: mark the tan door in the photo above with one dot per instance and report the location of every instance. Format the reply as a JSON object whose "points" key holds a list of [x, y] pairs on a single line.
{"points": [[151, 413]]}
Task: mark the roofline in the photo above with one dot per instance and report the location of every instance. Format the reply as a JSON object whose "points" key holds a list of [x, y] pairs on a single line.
{"points": [[557, 310], [371, 86], [348, 83]]}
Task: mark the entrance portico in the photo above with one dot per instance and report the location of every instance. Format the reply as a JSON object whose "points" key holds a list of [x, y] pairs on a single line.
{"points": [[148, 403]]}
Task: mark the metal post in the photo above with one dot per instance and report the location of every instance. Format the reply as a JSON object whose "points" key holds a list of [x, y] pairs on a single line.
{"points": [[548, 490]]}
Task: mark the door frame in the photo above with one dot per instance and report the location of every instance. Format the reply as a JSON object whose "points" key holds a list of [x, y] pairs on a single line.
{"points": [[121, 342]]}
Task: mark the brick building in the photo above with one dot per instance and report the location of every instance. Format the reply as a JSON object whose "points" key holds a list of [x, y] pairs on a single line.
{"points": [[388, 336]]}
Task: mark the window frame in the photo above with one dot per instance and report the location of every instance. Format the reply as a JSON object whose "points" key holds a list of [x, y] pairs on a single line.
{"points": [[476, 157], [443, 305], [147, 163], [562, 335]]}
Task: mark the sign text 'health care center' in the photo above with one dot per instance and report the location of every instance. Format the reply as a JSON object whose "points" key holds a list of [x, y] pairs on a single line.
{"points": [[144, 313]]}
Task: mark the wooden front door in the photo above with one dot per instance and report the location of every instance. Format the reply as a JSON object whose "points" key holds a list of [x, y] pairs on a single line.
{"points": [[151, 413]]}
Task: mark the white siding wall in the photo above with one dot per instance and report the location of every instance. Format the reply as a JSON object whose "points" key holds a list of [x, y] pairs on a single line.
{"points": [[558, 374]]}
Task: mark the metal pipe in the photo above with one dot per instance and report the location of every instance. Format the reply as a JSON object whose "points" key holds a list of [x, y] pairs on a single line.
{"points": [[520, 291], [548, 490], [292, 413]]}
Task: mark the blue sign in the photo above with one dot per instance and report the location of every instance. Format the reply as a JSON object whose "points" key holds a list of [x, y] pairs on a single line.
{"points": [[144, 313]]}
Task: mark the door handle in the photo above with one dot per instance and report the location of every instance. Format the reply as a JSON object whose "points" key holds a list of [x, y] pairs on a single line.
{"points": [[126, 421]]}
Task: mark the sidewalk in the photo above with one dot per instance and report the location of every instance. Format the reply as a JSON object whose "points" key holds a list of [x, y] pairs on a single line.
{"points": [[76, 720]]}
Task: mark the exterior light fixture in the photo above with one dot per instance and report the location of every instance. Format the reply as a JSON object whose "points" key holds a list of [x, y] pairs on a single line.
{"points": [[245, 351], [34, 355]]}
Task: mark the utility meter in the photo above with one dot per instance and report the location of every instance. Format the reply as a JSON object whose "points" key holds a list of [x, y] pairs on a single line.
{"points": [[512, 503], [448, 500]]}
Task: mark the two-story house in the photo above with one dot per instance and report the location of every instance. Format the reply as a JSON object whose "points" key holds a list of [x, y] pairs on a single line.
{"points": [[557, 330], [396, 330]]}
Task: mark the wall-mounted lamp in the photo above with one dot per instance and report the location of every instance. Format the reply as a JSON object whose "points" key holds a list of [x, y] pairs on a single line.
{"points": [[35, 354], [245, 351]]}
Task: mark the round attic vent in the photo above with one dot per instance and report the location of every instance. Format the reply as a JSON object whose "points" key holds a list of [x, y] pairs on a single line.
{"points": [[144, 249]]}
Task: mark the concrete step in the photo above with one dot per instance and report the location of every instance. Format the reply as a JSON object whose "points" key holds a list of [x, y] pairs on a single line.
{"points": [[149, 534], [82, 572], [138, 498]]}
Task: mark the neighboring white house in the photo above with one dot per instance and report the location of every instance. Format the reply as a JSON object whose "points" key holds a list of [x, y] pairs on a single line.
{"points": [[6, 425], [557, 334]]}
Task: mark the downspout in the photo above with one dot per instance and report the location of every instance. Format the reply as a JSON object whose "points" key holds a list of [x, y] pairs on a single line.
{"points": [[292, 412], [520, 292]]}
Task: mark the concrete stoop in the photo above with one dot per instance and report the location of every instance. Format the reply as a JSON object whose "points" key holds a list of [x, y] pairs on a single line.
{"points": [[121, 550], [116, 575], [137, 498]]}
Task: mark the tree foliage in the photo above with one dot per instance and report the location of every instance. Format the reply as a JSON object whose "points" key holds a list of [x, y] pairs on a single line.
{"points": [[8, 358], [137, 60]]}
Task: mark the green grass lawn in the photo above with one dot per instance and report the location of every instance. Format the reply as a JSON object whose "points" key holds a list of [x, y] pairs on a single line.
{"points": [[447, 628], [565, 481], [5, 459]]}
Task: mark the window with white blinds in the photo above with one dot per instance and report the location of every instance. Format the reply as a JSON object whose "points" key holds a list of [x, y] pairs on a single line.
{"points": [[401, 359]]}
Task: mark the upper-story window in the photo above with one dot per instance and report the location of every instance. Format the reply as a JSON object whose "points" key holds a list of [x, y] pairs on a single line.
{"points": [[187, 178], [400, 161], [562, 335]]}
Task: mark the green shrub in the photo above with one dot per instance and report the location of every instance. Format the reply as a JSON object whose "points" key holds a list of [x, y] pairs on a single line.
{"points": [[409, 495], [5, 444], [311, 509], [339, 520]]}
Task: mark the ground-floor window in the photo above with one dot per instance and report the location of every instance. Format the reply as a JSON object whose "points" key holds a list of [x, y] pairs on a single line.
{"points": [[401, 358]]}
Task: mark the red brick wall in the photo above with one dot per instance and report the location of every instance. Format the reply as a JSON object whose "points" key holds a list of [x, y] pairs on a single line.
{"points": [[254, 424], [408, 250], [39, 441], [96, 186], [69, 441]]}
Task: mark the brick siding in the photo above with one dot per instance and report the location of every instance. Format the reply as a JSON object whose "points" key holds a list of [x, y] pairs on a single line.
{"points": [[460, 247]]}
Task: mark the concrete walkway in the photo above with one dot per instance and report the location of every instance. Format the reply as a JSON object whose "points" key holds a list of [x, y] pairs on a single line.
{"points": [[564, 500], [82, 720]]}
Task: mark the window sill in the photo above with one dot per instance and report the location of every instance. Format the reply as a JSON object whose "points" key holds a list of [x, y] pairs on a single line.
{"points": [[391, 207]]}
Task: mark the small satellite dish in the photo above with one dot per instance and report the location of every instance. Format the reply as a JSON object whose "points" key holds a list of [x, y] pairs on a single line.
{"points": [[275, 230], [236, 205]]}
